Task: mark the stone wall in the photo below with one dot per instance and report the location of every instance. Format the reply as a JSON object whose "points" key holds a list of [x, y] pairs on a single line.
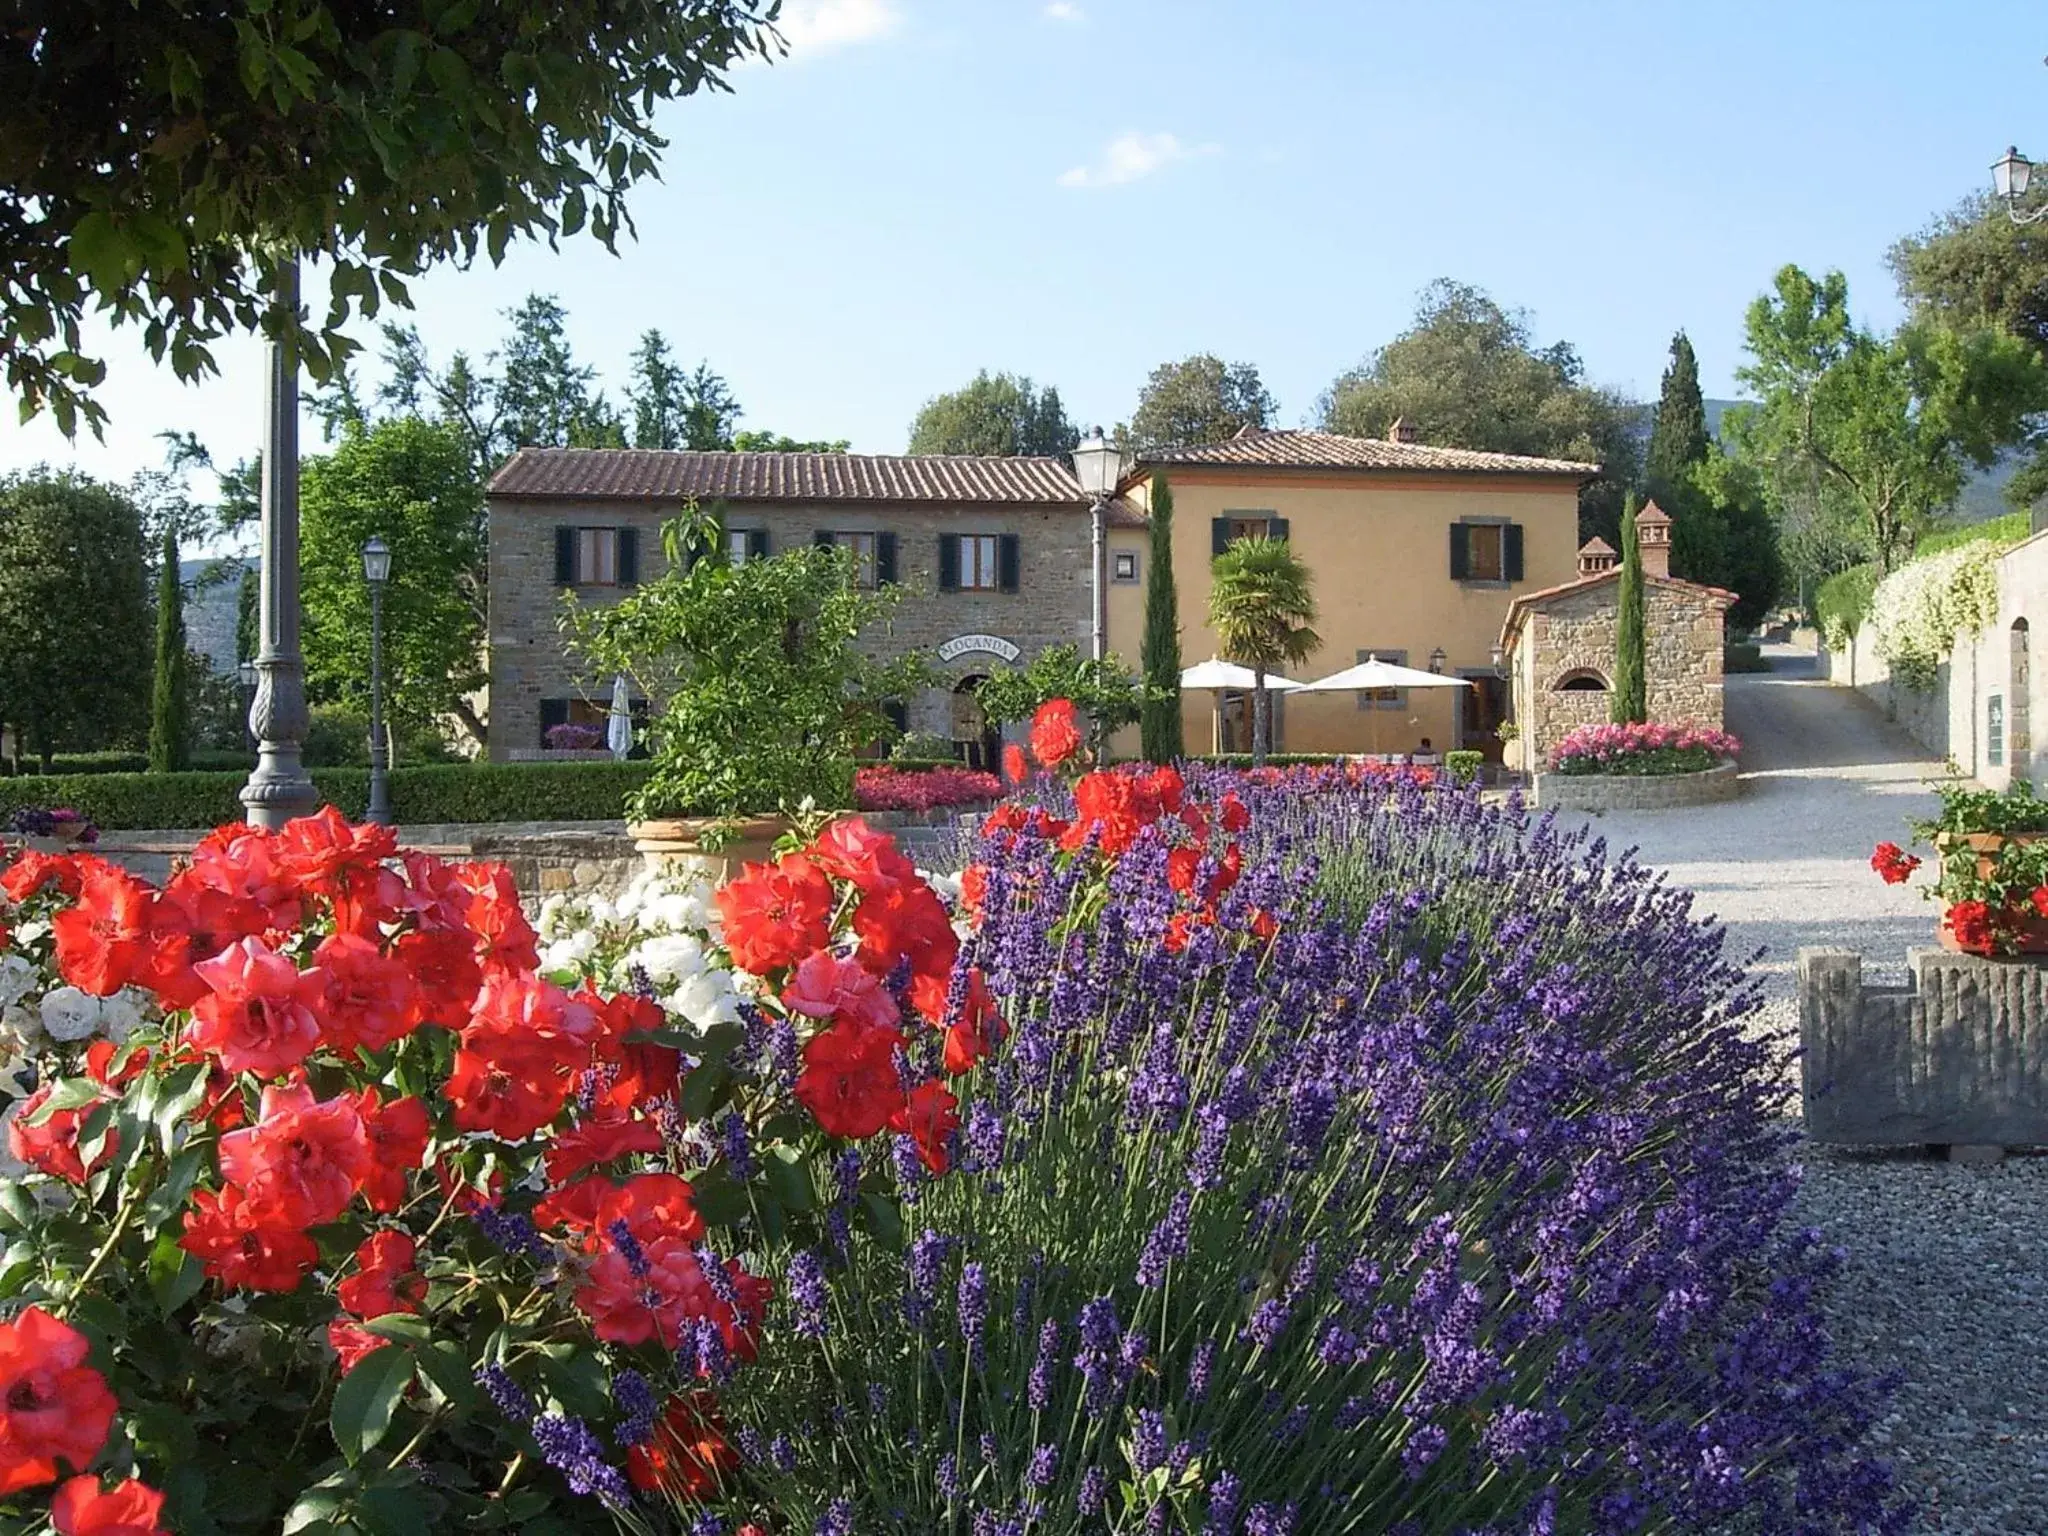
{"points": [[529, 663], [1598, 792], [1956, 1057], [1572, 634]]}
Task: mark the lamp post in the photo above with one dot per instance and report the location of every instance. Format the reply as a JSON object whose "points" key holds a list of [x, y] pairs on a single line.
{"points": [[279, 787], [377, 571], [2011, 175], [1437, 660], [1098, 465]]}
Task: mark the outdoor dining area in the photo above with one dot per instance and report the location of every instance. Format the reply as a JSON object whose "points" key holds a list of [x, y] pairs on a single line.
{"points": [[1371, 679]]}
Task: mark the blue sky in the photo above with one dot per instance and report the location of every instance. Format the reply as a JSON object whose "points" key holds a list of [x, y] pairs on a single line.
{"points": [[1078, 191]]}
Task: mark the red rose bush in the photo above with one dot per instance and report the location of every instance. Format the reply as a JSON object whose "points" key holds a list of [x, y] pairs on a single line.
{"points": [[342, 1196]]}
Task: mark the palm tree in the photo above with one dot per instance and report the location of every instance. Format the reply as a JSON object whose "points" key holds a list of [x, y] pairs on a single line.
{"points": [[1261, 607]]}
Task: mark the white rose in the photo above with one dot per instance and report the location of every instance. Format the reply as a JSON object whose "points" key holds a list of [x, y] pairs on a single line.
{"points": [[69, 1014], [22, 1026], [121, 1014], [673, 912], [669, 957], [568, 954], [705, 999], [18, 978], [549, 921]]}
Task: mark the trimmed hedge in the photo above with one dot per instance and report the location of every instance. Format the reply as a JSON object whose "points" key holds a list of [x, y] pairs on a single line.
{"points": [[438, 792], [1461, 767], [127, 762]]}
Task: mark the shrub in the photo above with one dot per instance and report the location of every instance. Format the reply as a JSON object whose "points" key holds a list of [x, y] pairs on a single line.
{"points": [[921, 747], [1643, 750], [1842, 603], [1743, 656], [1462, 1207], [574, 738], [1463, 767], [431, 793], [1919, 610], [338, 736], [894, 789]]}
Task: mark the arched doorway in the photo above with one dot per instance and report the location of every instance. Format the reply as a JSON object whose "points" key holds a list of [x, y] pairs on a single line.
{"points": [[976, 740], [2019, 737], [1584, 680]]}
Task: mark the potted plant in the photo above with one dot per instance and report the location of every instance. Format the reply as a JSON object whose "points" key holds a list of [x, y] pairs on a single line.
{"points": [[1991, 849], [764, 692], [54, 829]]}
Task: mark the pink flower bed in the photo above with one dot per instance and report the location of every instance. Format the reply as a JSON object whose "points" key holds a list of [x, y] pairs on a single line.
{"points": [[1643, 749], [924, 789]]}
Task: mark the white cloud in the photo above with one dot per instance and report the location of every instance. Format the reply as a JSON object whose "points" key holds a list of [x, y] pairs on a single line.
{"points": [[1130, 156], [1064, 10], [817, 26]]}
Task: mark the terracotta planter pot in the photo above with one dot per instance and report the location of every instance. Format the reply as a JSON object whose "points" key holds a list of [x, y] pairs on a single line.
{"points": [[2028, 928], [678, 843]]}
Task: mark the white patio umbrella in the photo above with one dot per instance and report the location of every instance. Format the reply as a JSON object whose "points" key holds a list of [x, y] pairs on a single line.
{"points": [[1216, 676], [618, 725], [1374, 673]]}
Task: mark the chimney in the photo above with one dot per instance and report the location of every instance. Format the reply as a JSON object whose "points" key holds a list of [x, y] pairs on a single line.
{"points": [[1653, 537], [1597, 555], [1403, 431]]}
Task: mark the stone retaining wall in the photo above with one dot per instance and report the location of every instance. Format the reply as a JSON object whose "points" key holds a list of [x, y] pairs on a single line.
{"points": [[545, 864], [1957, 1057], [1597, 792]]}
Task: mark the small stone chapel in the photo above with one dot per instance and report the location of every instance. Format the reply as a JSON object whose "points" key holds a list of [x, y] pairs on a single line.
{"points": [[1559, 645]]}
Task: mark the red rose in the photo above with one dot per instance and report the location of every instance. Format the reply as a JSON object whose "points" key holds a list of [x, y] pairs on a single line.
{"points": [[849, 1080], [775, 914], [905, 920], [599, 1141], [367, 999], [2039, 897], [1233, 815], [851, 850], [445, 971], [259, 1015], [239, 1252], [128, 1508], [827, 987], [244, 863], [396, 1134], [385, 1280], [352, 1343], [101, 944], [1015, 769], [575, 1205], [32, 871], [929, 1117], [977, 1031], [52, 1147], [641, 1071], [654, 1207], [505, 1086], [1105, 807], [687, 1454], [505, 940], [53, 1406], [299, 1165], [1181, 865], [318, 850], [1055, 735]]}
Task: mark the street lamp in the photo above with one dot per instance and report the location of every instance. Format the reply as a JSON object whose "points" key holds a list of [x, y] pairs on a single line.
{"points": [[2010, 178], [1437, 660], [377, 571], [1098, 465]]}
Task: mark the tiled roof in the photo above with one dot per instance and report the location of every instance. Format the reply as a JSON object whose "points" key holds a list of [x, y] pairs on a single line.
{"points": [[1521, 607], [643, 474], [1328, 450]]}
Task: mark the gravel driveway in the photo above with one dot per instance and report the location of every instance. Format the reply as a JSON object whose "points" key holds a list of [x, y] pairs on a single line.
{"points": [[1947, 1274]]}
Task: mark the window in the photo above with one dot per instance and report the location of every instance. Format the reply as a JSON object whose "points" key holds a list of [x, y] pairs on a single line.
{"points": [[1994, 730], [1125, 567], [863, 546], [585, 724], [739, 543], [1486, 552], [1248, 528], [1583, 681], [980, 570], [1384, 698], [1226, 530]]}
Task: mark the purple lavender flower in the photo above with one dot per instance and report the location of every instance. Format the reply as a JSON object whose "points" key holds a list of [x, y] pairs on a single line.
{"points": [[972, 1305], [1094, 1485], [512, 1231], [808, 1294], [1148, 1441], [1038, 1389], [838, 1519], [733, 1142], [1224, 1492], [634, 1399], [509, 1397], [1045, 1466], [571, 1449]]}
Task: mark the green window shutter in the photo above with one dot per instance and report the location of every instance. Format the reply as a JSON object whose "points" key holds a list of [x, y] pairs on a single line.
{"points": [[629, 557], [1511, 552], [1461, 552], [949, 562], [565, 557], [1009, 562], [1276, 528], [885, 559], [1219, 535], [757, 543], [822, 536]]}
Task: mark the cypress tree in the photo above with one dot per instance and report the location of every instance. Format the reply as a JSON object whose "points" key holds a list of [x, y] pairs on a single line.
{"points": [[1630, 699], [1678, 437], [1159, 725], [167, 703]]}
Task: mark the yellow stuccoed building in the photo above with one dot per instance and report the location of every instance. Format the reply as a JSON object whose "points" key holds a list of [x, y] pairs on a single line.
{"points": [[1416, 553]]}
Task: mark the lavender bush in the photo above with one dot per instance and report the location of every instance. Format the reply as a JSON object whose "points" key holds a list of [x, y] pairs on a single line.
{"points": [[1456, 1206]]}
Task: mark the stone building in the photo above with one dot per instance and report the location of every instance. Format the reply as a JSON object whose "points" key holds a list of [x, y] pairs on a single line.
{"points": [[994, 553], [1560, 644]]}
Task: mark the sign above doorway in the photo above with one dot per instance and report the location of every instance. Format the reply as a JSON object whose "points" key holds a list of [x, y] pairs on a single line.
{"points": [[993, 645]]}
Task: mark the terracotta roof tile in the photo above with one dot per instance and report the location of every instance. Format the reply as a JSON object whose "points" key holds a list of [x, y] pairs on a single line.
{"points": [[642, 474], [1328, 450]]}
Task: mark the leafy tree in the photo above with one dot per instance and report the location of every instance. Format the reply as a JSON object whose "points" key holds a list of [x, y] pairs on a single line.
{"points": [[1001, 413], [246, 632], [1678, 436], [170, 692], [412, 483], [544, 398], [74, 606], [1974, 267], [1746, 558], [1200, 399], [1468, 374], [159, 161], [674, 409], [1893, 421], [1630, 703], [1160, 658], [1263, 610], [1105, 689], [775, 442]]}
